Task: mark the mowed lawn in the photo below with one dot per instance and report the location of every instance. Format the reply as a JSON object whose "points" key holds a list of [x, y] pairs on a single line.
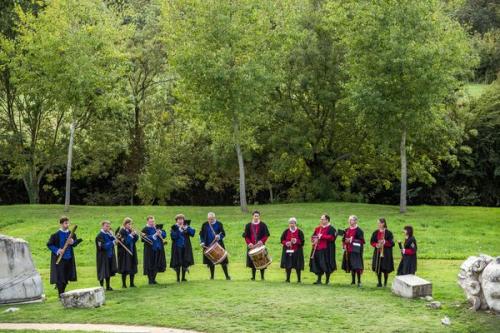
{"points": [[445, 235]]}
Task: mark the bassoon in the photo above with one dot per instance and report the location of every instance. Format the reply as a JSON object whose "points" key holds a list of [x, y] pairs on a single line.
{"points": [[66, 244]]}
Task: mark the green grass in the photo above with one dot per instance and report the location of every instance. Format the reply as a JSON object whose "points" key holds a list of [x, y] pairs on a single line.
{"points": [[446, 235]]}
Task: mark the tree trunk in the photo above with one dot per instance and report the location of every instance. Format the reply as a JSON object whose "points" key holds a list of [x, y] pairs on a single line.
{"points": [[241, 167], [32, 187], [271, 194], [404, 173], [68, 167]]}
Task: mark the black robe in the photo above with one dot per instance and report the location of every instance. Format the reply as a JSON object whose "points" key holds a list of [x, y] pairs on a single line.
{"points": [[263, 232], [324, 261], [408, 264], [182, 256], [205, 229], [294, 260], [127, 264], [387, 261], [154, 261], [65, 271], [352, 261], [106, 266]]}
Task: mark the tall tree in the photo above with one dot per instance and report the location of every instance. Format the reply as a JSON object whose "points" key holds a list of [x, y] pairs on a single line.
{"points": [[224, 53], [405, 58], [62, 63]]}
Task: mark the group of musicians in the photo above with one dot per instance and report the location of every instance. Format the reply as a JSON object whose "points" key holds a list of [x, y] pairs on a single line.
{"points": [[322, 260]]}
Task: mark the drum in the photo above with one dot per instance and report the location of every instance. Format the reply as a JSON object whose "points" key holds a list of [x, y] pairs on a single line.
{"points": [[216, 253], [260, 257]]}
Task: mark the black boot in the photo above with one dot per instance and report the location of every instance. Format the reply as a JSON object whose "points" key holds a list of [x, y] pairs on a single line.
{"points": [[379, 278], [327, 278], [358, 273], [124, 280], [101, 282], [184, 270], [132, 285], [353, 276], [253, 273], [386, 276], [224, 268], [318, 281], [298, 275], [108, 284], [288, 272], [61, 288], [212, 271], [178, 273], [262, 274]]}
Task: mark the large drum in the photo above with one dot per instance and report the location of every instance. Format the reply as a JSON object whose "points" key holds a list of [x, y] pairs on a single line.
{"points": [[216, 253], [260, 257]]}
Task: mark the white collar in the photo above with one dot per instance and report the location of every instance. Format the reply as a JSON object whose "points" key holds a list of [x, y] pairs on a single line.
{"points": [[255, 222], [294, 229], [352, 228], [66, 231], [326, 226]]}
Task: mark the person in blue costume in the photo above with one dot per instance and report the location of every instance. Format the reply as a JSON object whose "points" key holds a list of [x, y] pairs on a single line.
{"points": [[127, 263], [105, 254], [65, 271], [213, 231], [182, 252], [154, 251]]}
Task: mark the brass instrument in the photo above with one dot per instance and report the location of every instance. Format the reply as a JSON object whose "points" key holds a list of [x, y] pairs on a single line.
{"points": [[66, 244], [118, 238], [380, 250], [143, 236], [160, 227]]}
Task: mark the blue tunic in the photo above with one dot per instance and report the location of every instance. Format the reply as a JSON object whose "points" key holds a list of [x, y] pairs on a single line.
{"points": [[210, 236], [108, 243], [63, 236], [151, 235], [179, 238]]}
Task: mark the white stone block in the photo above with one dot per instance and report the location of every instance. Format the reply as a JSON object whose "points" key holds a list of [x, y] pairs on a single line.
{"points": [[83, 298], [411, 286]]}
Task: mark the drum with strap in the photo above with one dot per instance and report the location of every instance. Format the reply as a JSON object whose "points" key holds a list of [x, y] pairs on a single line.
{"points": [[216, 253], [260, 257]]}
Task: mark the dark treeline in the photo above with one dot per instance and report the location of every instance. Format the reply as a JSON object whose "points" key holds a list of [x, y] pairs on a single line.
{"points": [[212, 102]]}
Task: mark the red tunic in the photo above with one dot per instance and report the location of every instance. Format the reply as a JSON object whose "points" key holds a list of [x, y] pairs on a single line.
{"points": [[325, 237], [381, 236], [288, 238], [254, 230], [351, 233]]}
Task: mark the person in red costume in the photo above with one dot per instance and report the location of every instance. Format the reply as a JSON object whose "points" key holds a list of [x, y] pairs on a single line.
{"points": [[382, 261], [408, 264], [292, 256], [255, 234], [353, 241], [323, 252]]}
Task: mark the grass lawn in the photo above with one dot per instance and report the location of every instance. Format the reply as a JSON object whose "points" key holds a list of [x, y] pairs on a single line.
{"points": [[446, 236]]}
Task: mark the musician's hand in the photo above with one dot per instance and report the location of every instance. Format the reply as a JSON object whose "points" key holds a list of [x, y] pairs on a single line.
{"points": [[59, 252], [403, 251], [202, 244], [319, 236], [315, 240], [133, 233], [217, 237], [71, 241], [294, 240], [250, 246], [349, 240], [259, 243], [288, 244]]}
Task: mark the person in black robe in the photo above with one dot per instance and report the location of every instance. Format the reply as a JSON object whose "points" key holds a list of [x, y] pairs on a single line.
{"points": [[353, 242], [408, 264], [292, 255], [127, 263], [182, 251], [153, 238], [382, 260], [323, 253], [65, 271], [105, 255], [255, 234], [213, 231]]}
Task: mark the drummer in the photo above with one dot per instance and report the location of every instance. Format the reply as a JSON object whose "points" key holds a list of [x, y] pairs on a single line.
{"points": [[256, 235], [213, 231]]}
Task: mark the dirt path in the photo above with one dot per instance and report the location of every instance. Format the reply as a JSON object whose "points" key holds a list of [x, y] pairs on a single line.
{"points": [[91, 328]]}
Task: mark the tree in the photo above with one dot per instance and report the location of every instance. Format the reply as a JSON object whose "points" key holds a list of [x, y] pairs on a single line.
{"points": [[62, 64], [224, 53], [405, 59]]}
